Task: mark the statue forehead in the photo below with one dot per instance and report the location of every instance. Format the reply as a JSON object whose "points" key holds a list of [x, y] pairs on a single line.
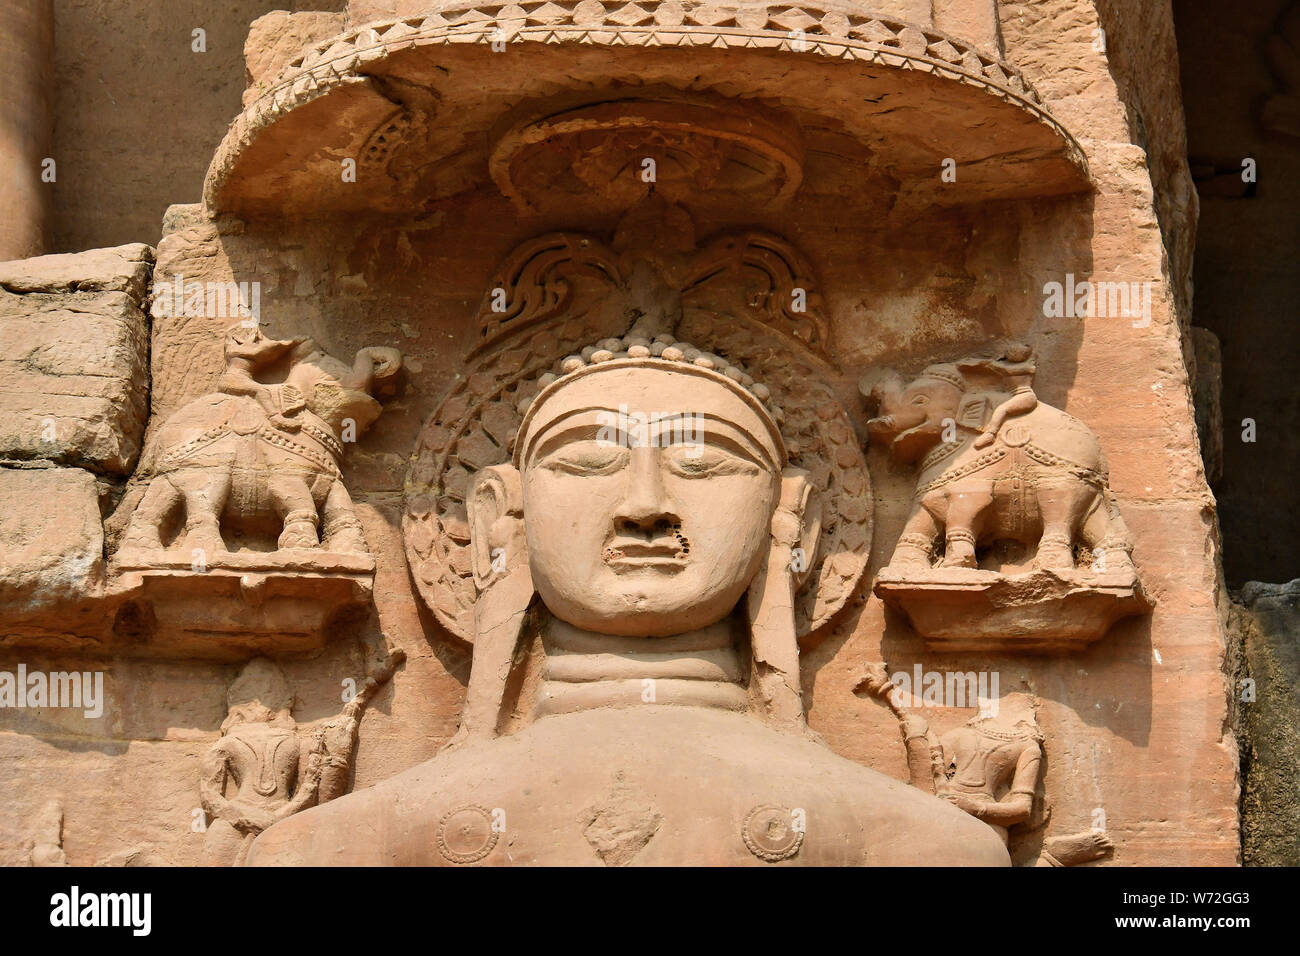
{"points": [[649, 387]]}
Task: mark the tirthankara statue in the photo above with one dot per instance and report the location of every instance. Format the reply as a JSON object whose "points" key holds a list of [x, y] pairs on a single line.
{"points": [[638, 540]]}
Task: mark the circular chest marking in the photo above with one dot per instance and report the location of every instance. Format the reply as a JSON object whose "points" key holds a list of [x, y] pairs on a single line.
{"points": [[1015, 435], [770, 833], [465, 834]]}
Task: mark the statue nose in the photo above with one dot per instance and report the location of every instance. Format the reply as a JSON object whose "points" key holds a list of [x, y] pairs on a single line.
{"points": [[646, 510]]}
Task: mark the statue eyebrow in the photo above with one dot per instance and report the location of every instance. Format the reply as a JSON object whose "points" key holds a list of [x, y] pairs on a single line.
{"points": [[563, 432], [714, 431]]}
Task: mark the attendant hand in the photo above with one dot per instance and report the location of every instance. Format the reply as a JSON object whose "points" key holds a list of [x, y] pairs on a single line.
{"points": [[965, 801], [255, 819]]}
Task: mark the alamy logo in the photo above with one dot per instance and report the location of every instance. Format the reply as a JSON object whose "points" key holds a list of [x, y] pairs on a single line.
{"points": [[214, 300], [1098, 300], [75, 908], [82, 690], [923, 688]]}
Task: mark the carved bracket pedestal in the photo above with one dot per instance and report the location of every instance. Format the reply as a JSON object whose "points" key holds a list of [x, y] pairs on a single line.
{"points": [[282, 601], [1043, 611]]}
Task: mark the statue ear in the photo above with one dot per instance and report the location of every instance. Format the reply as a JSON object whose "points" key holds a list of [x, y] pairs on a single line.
{"points": [[800, 502], [499, 554], [496, 524], [796, 528]]}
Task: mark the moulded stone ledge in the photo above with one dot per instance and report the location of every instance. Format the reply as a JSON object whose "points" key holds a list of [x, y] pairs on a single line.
{"points": [[909, 91], [282, 602], [1043, 611]]}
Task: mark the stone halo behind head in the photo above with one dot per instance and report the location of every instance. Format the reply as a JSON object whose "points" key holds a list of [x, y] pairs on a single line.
{"points": [[569, 298]]}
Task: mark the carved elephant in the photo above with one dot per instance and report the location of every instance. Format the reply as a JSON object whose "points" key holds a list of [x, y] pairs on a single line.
{"points": [[222, 460], [996, 465]]}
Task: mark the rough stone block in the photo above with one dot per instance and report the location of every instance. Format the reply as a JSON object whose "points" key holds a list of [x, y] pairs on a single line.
{"points": [[74, 368], [51, 539], [119, 269]]}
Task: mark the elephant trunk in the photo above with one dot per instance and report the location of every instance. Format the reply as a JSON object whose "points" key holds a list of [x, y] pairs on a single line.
{"points": [[881, 425], [885, 393], [372, 364]]}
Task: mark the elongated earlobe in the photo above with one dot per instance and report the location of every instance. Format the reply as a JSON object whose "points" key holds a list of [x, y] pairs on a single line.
{"points": [[796, 529], [500, 558], [496, 510]]}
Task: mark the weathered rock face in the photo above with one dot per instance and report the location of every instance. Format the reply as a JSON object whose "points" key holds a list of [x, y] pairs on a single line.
{"points": [[1239, 87], [521, 546], [275, 38], [73, 358], [53, 552], [1266, 621], [1207, 394]]}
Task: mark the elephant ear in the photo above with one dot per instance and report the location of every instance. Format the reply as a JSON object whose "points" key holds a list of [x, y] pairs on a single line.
{"points": [[974, 410]]}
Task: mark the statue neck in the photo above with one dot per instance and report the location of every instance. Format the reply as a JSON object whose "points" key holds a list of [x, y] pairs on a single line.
{"points": [[583, 670]]}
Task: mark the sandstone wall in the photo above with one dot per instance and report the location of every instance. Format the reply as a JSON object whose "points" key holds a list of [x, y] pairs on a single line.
{"points": [[1136, 726], [26, 55], [137, 112]]}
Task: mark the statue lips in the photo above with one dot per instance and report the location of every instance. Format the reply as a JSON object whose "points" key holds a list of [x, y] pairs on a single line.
{"points": [[625, 554]]}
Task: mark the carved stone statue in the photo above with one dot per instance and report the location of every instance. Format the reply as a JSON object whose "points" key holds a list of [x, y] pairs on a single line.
{"points": [[1008, 486], [1010, 468], [991, 767], [265, 767], [643, 549], [253, 451]]}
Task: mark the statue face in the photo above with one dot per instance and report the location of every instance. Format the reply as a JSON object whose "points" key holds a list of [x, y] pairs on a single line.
{"points": [[645, 527]]}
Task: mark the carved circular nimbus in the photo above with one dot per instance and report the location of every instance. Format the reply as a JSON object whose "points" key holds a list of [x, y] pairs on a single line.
{"points": [[615, 153], [770, 833], [465, 835], [560, 290]]}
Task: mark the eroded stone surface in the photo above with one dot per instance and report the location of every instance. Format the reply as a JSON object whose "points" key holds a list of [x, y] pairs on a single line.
{"points": [[51, 542], [274, 38], [74, 347], [1266, 618]]}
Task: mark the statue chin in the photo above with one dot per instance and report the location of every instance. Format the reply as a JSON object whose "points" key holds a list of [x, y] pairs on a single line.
{"points": [[643, 602]]}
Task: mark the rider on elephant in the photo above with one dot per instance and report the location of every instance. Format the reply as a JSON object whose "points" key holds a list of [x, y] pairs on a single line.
{"points": [[247, 352]]}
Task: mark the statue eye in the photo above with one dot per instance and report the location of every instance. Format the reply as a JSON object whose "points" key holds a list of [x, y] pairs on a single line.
{"points": [[586, 458], [699, 461], [920, 400]]}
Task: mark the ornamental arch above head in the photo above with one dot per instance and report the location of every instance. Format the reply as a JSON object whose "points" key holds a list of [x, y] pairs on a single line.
{"points": [[509, 498]]}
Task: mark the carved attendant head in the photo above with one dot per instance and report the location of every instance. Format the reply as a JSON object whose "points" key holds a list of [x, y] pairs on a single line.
{"points": [[260, 694]]}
